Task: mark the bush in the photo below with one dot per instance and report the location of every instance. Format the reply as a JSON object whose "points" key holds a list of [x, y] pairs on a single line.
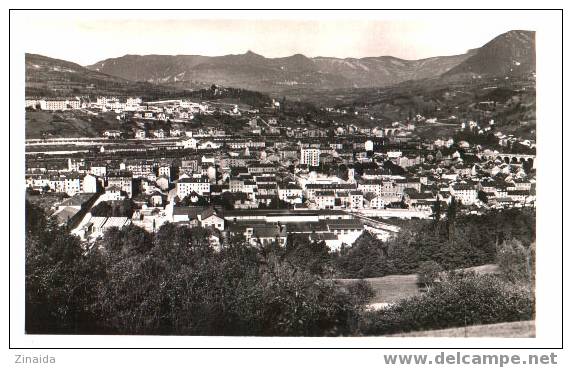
{"points": [[428, 273], [364, 259], [514, 261], [459, 300]]}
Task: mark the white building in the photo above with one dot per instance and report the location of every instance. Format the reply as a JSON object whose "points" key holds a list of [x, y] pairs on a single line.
{"points": [[56, 104], [310, 156], [98, 170], [186, 186], [466, 194], [369, 145], [89, 184]]}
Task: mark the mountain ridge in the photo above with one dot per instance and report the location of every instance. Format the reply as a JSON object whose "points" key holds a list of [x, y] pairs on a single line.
{"points": [[254, 71], [507, 55]]}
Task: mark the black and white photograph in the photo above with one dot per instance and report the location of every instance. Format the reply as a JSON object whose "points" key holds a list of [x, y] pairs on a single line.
{"points": [[247, 174]]}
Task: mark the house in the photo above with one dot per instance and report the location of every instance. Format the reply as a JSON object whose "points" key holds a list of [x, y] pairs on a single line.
{"points": [[260, 234], [60, 104], [140, 134], [71, 211], [113, 193], [260, 168], [69, 184], [162, 182], [165, 170], [121, 179], [112, 133], [188, 143], [378, 202], [329, 239], [175, 132], [346, 230], [310, 156], [159, 133], [139, 168], [98, 169], [325, 199], [208, 145], [290, 193], [90, 184], [465, 193], [188, 215], [156, 199], [209, 218], [356, 199], [413, 198], [187, 185]]}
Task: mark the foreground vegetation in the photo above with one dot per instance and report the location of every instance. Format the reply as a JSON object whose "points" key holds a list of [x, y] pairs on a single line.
{"points": [[451, 243], [457, 300], [174, 282]]}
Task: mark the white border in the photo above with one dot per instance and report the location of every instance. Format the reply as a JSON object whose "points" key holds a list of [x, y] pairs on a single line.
{"points": [[549, 239]]}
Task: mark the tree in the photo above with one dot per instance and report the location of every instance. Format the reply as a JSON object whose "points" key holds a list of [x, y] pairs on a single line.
{"points": [[61, 281], [514, 260], [482, 196], [428, 273], [361, 291], [366, 258], [311, 256], [451, 216], [437, 210]]}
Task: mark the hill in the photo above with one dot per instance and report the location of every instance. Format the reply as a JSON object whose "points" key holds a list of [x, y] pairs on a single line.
{"points": [[510, 54], [46, 76]]}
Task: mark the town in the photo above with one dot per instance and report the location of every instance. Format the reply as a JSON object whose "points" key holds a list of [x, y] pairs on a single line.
{"points": [[238, 170], [242, 178]]}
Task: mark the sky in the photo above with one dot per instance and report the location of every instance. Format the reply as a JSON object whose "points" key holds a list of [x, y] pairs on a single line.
{"points": [[88, 37]]}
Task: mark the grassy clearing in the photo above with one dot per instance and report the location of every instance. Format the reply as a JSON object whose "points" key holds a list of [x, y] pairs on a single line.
{"points": [[389, 289], [507, 329], [69, 124]]}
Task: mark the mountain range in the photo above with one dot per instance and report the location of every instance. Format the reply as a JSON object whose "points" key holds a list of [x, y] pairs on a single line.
{"points": [[512, 52], [509, 54]]}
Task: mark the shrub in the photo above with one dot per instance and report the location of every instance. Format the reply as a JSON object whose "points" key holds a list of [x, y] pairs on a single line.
{"points": [[514, 261], [459, 300], [428, 273]]}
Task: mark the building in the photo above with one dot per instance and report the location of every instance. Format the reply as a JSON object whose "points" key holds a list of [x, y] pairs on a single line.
{"points": [[112, 133], [89, 184], [121, 179], [356, 199], [186, 186], [98, 169], [290, 193], [325, 199], [140, 134], [465, 193], [209, 218], [165, 170], [60, 104], [69, 184], [260, 234], [310, 156]]}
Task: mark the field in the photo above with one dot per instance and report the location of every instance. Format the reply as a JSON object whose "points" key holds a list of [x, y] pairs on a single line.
{"points": [[507, 329], [40, 124], [389, 289]]}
